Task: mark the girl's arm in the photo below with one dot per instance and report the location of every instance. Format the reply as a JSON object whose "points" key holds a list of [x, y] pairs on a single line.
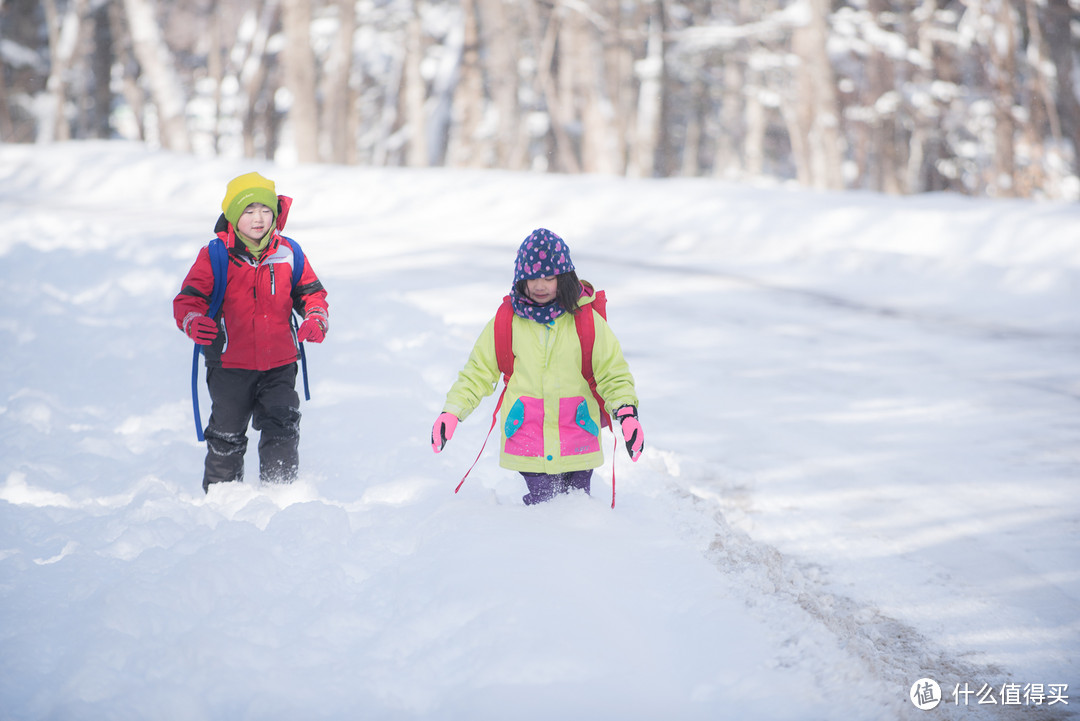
{"points": [[477, 379]]}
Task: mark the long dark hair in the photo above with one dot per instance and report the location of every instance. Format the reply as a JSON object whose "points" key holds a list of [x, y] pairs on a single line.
{"points": [[567, 291]]}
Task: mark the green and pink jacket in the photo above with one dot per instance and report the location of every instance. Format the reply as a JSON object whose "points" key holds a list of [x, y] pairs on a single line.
{"points": [[549, 420]]}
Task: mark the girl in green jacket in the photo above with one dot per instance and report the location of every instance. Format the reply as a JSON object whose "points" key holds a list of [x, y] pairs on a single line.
{"points": [[549, 416]]}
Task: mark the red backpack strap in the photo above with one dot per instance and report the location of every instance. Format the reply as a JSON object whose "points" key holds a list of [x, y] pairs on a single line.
{"points": [[600, 303], [586, 330], [504, 338]]}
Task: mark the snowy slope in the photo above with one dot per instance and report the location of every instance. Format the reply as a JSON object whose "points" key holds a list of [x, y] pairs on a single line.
{"points": [[861, 413]]}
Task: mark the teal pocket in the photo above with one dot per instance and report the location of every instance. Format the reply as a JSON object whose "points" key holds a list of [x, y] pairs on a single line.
{"points": [[585, 421], [514, 419]]}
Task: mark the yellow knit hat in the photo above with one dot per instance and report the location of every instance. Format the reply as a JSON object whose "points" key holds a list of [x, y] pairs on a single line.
{"points": [[245, 190]]}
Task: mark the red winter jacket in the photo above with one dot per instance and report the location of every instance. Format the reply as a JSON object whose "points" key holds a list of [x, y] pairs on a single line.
{"points": [[254, 330]]}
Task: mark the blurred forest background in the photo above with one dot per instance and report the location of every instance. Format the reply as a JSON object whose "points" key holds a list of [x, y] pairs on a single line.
{"points": [[980, 97]]}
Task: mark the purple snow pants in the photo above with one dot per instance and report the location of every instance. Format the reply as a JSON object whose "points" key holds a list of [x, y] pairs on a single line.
{"points": [[545, 486]]}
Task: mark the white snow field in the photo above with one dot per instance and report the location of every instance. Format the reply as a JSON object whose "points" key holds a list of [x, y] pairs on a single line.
{"points": [[862, 419]]}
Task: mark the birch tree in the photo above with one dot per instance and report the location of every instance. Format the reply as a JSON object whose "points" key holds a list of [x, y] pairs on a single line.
{"points": [[468, 107], [1003, 75], [812, 112], [973, 96], [499, 34], [159, 69], [1063, 48], [65, 28], [337, 143], [414, 94], [650, 73], [300, 79], [252, 64]]}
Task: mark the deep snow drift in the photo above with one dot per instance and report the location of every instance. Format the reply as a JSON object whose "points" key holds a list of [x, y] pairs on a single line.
{"points": [[862, 421]]}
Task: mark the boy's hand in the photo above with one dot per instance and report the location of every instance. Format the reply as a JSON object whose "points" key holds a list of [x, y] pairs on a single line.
{"points": [[199, 328], [631, 431], [312, 329], [443, 430]]}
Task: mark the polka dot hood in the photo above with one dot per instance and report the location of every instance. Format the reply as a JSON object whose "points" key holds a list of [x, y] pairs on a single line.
{"points": [[542, 255]]}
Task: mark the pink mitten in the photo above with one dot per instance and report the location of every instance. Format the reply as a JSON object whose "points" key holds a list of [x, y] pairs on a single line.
{"points": [[631, 431], [443, 430]]}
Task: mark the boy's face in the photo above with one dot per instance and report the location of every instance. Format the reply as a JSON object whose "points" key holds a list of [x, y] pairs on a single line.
{"points": [[542, 290], [255, 221]]}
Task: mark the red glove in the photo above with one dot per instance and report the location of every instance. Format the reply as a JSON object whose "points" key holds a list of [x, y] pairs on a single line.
{"points": [[443, 430], [631, 431], [200, 328], [312, 329]]}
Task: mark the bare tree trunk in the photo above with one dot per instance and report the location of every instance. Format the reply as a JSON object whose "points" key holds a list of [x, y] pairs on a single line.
{"points": [[567, 75], [439, 105], [300, 80], [544, 37], [1003, 77], [336, 91], [919, 156], [159, 68], [252, 74], [7, 122], [692, 136], [815, 111], [666, 163], [63, 33], [1040, 132], [383, 151], [500, 39], [621, 81], [414, 95], [737, 94], [751, 84], [650, 71], [1062, 48], [1040, 63], [133, 95], [586, 31], [884, 164], [756, 119], [100, 101], [468, 95], [215, 68]]}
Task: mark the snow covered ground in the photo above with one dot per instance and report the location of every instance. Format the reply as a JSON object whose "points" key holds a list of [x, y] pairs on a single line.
{"points": [[862, 421]]}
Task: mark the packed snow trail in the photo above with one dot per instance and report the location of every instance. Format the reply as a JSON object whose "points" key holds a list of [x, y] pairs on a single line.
{"points": [[859, 471]]}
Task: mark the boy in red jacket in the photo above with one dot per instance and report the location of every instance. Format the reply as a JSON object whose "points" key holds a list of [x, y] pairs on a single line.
{"points": [[250, 347]]}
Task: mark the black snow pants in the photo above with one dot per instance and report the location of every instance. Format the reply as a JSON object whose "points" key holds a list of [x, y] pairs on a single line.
{"points": [[269, 401]]}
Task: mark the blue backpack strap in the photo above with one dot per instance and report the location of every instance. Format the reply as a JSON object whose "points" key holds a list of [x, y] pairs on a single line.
{"points": [[298, 261], [219, 264], [297, 271]]}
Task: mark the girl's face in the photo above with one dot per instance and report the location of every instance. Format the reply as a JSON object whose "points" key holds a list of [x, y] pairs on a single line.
{"points": [[541, 290], [255, 221]]}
